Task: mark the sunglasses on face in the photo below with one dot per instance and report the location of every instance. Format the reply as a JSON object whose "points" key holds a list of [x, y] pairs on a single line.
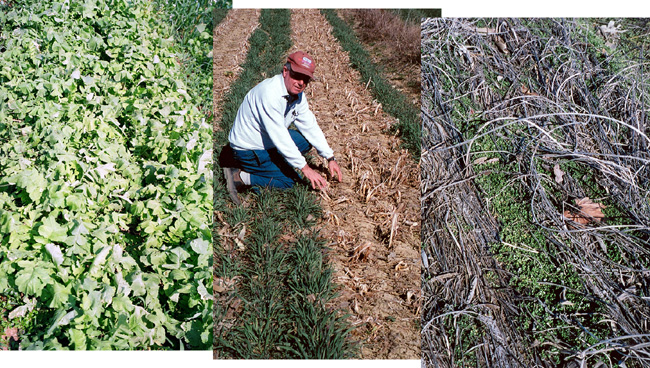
{"points": [[299, 76]]}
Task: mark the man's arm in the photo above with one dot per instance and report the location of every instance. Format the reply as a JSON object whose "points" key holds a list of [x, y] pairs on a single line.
{"points": [[271, 114], [306, 123]]}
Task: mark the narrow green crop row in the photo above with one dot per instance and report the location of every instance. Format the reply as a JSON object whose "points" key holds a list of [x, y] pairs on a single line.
{"points": [[395, 103], [105, 190], [283, 280], [284, 284]]}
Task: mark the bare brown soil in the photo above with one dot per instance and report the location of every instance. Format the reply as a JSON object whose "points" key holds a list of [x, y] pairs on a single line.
{"points": [[391, 44], [7, 336], [372, 218], [230, 46]]}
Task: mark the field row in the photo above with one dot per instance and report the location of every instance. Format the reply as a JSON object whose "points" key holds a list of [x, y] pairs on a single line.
{"points": [[280, 257]]}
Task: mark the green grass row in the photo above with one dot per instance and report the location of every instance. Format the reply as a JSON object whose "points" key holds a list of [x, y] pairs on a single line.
{"points": [[409, 125], [283, 277]]}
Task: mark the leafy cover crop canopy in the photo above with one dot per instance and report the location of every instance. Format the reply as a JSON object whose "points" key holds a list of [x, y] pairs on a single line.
{"points": [[105, 179]]}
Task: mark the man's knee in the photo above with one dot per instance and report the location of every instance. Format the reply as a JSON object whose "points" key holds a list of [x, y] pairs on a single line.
{"points": [[286, 183], [278, 182]]}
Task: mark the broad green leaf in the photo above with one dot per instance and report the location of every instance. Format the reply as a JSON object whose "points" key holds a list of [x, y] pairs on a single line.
{"points": [[55, 252], [91, 303], [32, 277], [88, 283], [8, 222], [62, 318], [107, 294], [103, 170], [200, 246], [137, 285], [60, 296], [75, 202], [78, 234], [123, 287], [78, 339], [178, 255], [203, 291], [33, 182], [88, 80], [101, 257], [165, 111], [122, 304], [117, 253], [51, 230]]}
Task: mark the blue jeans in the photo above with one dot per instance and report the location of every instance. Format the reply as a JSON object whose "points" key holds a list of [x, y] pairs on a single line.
{"points": [[268, 168]]}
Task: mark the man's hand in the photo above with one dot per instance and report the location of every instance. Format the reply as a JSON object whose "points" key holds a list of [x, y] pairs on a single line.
{"points": [[317, 181], [335, 169]]}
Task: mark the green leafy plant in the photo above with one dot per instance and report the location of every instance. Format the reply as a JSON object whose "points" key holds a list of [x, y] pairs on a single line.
{"points": [[104, 183]]}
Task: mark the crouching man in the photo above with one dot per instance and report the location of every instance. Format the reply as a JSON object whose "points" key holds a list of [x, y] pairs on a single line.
{"points": [[267, 152]]}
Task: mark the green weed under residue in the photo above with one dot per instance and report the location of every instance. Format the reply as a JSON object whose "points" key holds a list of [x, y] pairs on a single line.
{"points": [[538, 140]]}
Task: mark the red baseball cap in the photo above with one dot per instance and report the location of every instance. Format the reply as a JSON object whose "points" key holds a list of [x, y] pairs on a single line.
{"points": [[302, 63]]}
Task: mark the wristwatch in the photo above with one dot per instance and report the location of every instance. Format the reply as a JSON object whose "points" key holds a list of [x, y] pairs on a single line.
{"points": [[331, 159]]}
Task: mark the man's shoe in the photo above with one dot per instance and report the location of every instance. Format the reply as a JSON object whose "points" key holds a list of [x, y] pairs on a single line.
{"points": [[233, 182]]}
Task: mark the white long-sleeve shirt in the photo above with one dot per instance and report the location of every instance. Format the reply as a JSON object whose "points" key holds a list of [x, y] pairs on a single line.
{"points": [[264, 117]]}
